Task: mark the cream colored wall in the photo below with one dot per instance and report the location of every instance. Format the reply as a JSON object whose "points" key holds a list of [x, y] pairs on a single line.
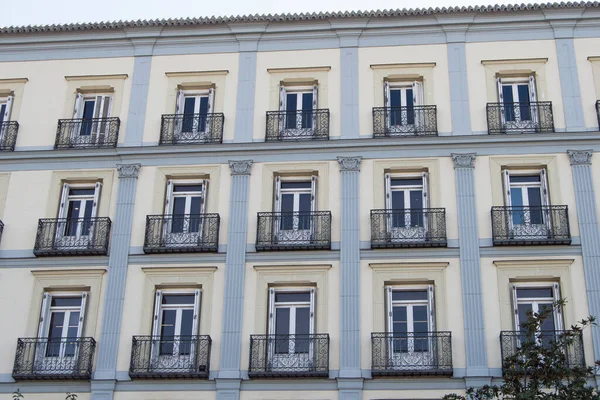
{"points": [[589, 78], [162, 95], [262, 184], [326, 278], [296, 59], [32, 195], [139, 302], [478, 96], [151, 189], [289, 395], [497, 313], [489, 186], [438, 89], [445, 274], [171, 395], [47, 95]]}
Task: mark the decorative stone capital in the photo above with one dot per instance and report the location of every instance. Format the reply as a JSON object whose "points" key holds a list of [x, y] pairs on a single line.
{"points": [[464, 160], [128, 170], [240, 167], [349, 163], [580, 157]]}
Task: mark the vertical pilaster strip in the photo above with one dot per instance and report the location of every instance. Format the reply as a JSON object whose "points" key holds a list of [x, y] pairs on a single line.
{"points": [[589, 232], [569, 84], [136, 117], [349, 112], [350, 267], [235, 267], [472, 292], [459, 88], [244, 112], [108, 343]]}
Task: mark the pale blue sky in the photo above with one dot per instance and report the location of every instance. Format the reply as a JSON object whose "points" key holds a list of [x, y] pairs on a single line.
{"points": [[34, 12]]}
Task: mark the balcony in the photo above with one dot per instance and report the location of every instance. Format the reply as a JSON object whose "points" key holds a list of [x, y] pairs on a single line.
{"points": [[409, 354], [279, 356], [72, 236], [94, 133], [62, 358], [530, 225], [182, 233], [294, 231], [191, 128], [408, 228], [510, 341], [535, 117], [297, 125], [8, 135], [404, 121], [153, 357]]}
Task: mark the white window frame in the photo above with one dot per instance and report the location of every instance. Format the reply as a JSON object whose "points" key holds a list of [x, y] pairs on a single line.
{"points": [[8, 102], [284, 90], [555, 286], [544, 192], [179, 110], [399, 232], [514, 82], [64, 209], [174, 237], [278, 192], [418, 100]]}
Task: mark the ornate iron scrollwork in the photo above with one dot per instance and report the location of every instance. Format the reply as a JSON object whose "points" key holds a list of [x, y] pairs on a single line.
{"points": [[87, 133], [191, 128], [72, 236]]}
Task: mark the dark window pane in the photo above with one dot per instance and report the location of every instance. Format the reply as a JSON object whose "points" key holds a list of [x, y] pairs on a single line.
{"points": [[399, 314], [410, 111], [203, 113], [287, 297], [420, 315], [66, 301], [282, 327], [524, 178], [400, 337], [189, 106], [395, 98], [177, 226], [527, 293], [407, 182], [187, 320], [535, 203], [524, 106], [81, 192], [509, 110], [167, 331], [304, 209], [398, 217], [296, 185], [409, 295], [416, 207], [88, 114], [523, 313], [187, 188], [287, 209], [195, 218], [307, 112], [2, 111], [178, 299]]}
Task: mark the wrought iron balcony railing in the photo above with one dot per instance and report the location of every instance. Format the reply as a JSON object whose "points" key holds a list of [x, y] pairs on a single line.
{"points": [[182, 233], [61, 358], [294, 231], [72, 236], [289, 356], [530, 225], [191, 128], [534, 117], [8, 135], [510, 341], [87, 133], [424, 353], [408, 228], [297, 125], [170, 357], [404, 121]]}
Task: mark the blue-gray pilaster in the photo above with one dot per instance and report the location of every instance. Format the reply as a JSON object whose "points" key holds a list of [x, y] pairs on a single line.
{"points": [[349, 92], [569, 84], [136, 116], [459, 86], [108, 343], [349, 267], [244, 110], [589, 232], [472, 293], [235, 267]]}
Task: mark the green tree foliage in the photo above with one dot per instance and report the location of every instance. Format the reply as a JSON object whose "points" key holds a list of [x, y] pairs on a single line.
{"points": [[539, 368]]}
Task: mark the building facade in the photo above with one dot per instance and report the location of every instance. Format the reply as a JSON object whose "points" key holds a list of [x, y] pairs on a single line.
{"points": [[353, 206]]}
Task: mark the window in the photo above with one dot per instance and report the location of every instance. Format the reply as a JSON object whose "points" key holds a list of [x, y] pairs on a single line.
{"points": [[295, 200], [184, 211], [93, 110], [401, 99], [291, 321], [526, 192], [61, 323], [77, 210], [516, 96], [176, 316], [195, 108], [407, 206], [296, 104], [410, 321], [5, 108], [535, 298]]}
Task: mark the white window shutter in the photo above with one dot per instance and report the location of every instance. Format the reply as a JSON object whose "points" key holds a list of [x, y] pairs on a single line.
{"points": [[44, 315], [506, 187], [84, 297], [211, 99], [425, 189], [388, 309], [388, 192], [315, 103], [179, 102], [106, 107], [312, 312], [417, 93], [196, 320], [271, 311], [545, 192], [168, 196], [62, 208], [499, 85], [157, 313], [282, 98], [204, 196], [558, 324], [97, 190], [532, 91], [513, 290], [313, 193], [78, 108], [431, 301], [386, 93], [8, 108], [277, 195]]}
